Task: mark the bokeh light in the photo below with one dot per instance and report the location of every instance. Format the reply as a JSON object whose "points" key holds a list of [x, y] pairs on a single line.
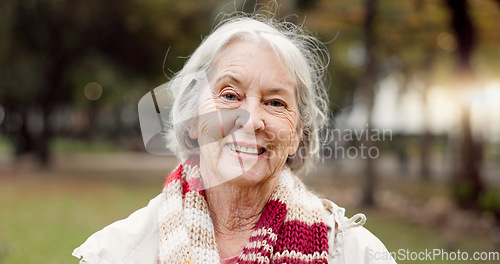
{"points": [[446, 41], [93, 91]]}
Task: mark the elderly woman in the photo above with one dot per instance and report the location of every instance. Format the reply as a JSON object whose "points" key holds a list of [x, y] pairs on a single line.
{"points": [[249, 106]]}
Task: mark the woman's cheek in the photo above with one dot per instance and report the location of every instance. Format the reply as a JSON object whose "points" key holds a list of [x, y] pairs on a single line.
{"points": [[203, 135], [205, 122], [288, 127], [286, 133]]}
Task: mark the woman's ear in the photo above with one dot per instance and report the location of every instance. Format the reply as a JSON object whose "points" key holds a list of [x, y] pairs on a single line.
{"points": [[295, 140], [192, 131]]}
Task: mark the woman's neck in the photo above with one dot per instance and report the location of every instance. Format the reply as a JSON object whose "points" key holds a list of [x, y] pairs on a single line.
{"points": [[235, 210]]}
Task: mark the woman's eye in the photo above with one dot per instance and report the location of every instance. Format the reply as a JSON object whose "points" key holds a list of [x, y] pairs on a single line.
{"points": [[276, 103], [230, 97]]}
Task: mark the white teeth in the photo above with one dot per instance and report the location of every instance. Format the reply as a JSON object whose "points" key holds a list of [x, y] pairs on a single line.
{"points": [[248, 150]]}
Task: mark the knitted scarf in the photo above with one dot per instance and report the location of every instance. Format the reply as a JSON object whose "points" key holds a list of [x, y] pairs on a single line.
{"points": [[291, 228]]}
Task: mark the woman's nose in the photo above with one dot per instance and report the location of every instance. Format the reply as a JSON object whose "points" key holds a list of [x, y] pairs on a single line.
{"points": [[254, 121]]}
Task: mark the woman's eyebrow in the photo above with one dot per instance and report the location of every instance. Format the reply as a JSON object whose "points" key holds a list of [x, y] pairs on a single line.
{"points": [[274, 90], [278, 90], [227, 76]]}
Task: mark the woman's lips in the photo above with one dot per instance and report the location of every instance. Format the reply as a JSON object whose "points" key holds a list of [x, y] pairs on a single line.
{"points": [[248, 149]]}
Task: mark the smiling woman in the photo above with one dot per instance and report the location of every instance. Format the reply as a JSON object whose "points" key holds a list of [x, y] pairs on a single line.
{"points": [[241, 136], [245, 76], [302, 62]]}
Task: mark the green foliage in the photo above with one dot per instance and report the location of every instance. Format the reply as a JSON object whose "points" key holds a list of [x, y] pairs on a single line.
{"points": [[464, 190], [489, 201], [5, 146], [78, 39], [51, 50]]}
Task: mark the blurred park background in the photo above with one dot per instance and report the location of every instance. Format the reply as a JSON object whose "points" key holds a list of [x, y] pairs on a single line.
{"points": [[419, 79]]}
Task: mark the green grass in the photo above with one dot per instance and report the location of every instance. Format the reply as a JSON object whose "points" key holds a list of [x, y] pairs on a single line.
{"points": [[45, 216], [43, 220], [398, 234]]}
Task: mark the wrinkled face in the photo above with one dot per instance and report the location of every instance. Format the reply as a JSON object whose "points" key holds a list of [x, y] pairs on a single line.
{"points": [[257, 115]]}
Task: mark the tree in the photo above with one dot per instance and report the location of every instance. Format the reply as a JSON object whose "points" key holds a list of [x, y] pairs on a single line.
{"points": [[46, 43], [469, 185], [367, 82]]}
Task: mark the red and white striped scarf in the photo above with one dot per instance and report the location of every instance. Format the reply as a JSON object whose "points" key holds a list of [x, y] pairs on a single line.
{"points": [[291, 228]]}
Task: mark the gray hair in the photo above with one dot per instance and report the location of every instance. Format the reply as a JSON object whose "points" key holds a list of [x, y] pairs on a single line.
{"points": [[304, 56]]}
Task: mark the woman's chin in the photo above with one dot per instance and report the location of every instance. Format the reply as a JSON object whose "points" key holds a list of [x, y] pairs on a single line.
{"points": [[253, 174], [242, 168]]}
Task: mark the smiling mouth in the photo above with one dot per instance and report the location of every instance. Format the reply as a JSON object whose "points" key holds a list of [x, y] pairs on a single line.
{"points": [[246, 150]]}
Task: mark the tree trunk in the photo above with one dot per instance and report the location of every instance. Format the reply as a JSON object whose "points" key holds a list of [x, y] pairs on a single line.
{"points": [[425, 143], [465, 34], [468, 185], [23, 140], [51, 90], [366, 86], [43, 143]]}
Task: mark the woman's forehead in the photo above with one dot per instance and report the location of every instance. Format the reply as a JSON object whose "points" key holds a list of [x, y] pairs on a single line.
{"points": [[243, 62]]}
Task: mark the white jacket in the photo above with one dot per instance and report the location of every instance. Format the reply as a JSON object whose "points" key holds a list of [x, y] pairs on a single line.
{"points": [[134, 240]]}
